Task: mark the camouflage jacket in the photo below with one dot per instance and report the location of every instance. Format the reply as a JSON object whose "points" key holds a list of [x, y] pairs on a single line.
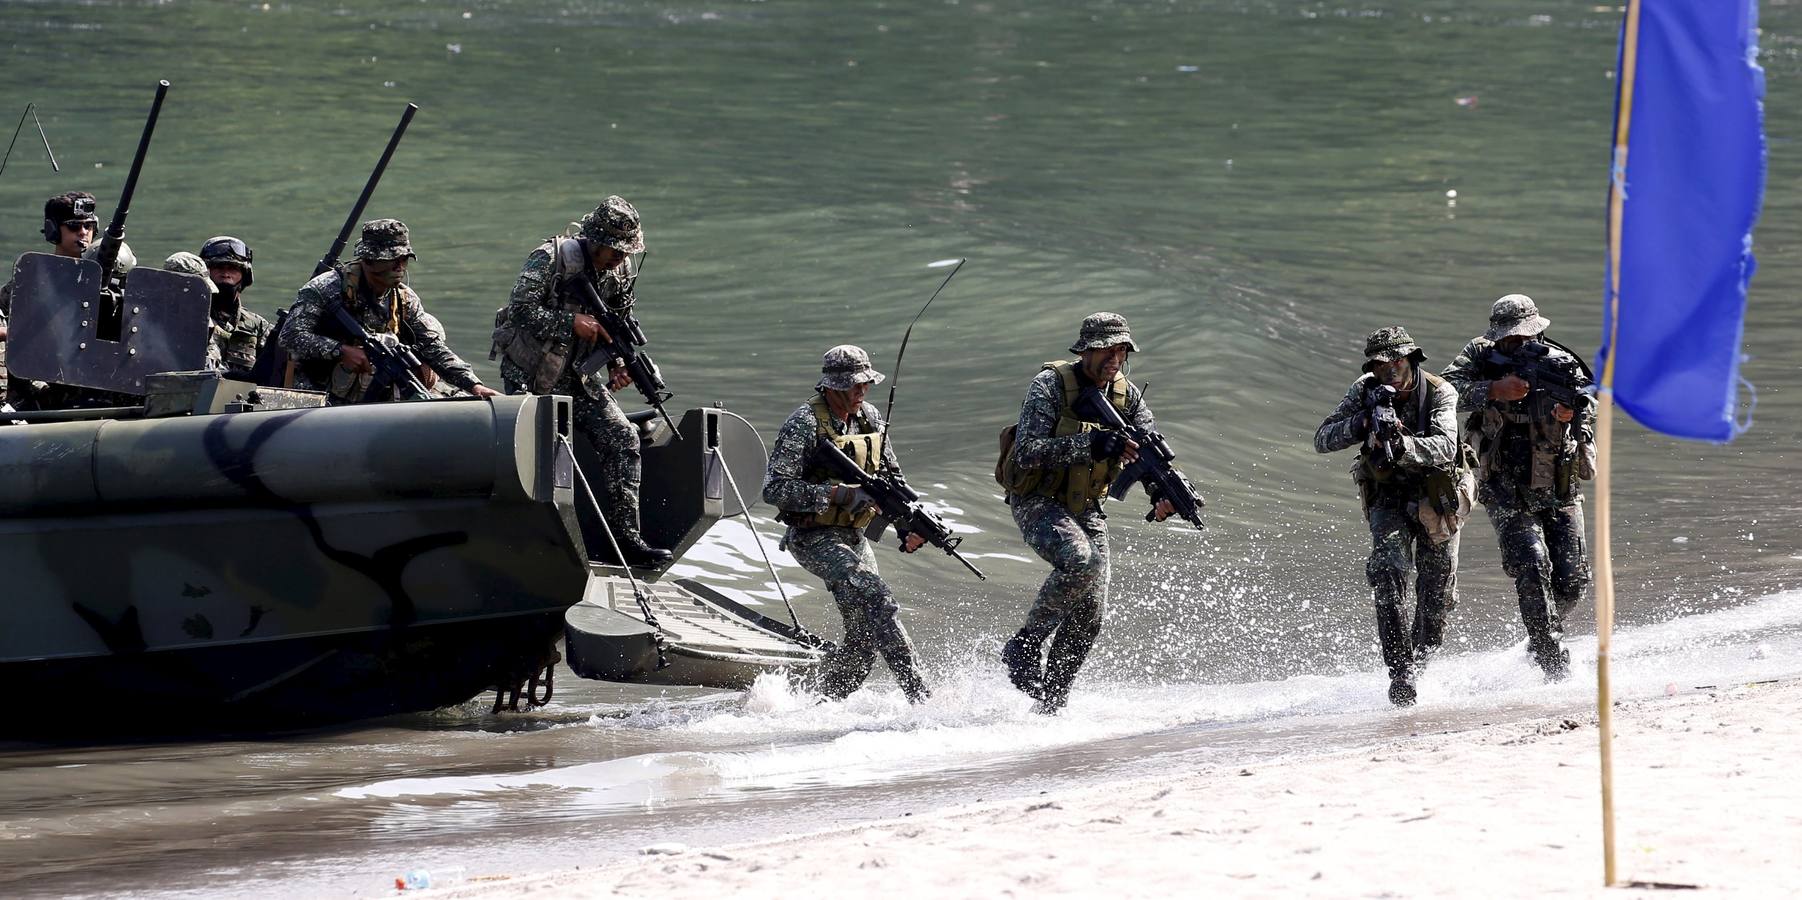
{"points": [[235, 341], [1036, 444], [786, 485], [1429, 420], [306, 334], [1542, 475], [537, 306]]}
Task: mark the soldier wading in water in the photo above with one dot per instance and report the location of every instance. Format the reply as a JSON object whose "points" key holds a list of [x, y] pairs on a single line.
{"points": [[1416, 494], [1055, 475], [539, 334], [1532, 451], [826, 520]]}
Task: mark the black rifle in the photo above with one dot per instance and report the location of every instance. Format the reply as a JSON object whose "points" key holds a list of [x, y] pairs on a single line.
{"points": [[620, 338], [108, 254], [1556, 380], [394, 362], [1155, 465], [1385, 425], [895, 500]]}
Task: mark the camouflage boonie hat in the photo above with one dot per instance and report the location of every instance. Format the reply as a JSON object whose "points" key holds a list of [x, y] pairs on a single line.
{"points": [[383, 239], [1102, 330], [188, 264], [613, 224], [1388, 345], [846, 366], [1515, 314]]}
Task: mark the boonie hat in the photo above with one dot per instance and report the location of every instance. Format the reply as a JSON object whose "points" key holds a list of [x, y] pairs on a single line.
{"points": [[846, 366], [1515, 314], [1103, 330]]}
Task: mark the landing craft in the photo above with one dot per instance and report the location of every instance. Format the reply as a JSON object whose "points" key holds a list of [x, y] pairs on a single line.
{"points": [[236, 557]]}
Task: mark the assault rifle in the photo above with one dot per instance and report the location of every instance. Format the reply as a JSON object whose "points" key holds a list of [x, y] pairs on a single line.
{"points": [[1155, 465], [620, 338], [1385, 425], [895, 500], [1557, 380], [394, 361]]}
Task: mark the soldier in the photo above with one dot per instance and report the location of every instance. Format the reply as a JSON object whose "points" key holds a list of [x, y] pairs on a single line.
{"points": [[826, 520], [373, 288], [1531, 453], [72, 226], [540, 334], [1055, 476], [237, 333], [1403, 483]]}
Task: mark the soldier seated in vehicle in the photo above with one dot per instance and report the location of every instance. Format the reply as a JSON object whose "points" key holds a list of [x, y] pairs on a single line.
{"points": [[373, 289], [237, 334], [72, 227]]}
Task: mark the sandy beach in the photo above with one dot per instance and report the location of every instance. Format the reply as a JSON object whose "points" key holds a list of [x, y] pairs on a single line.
{"points": [[1705, 790]]}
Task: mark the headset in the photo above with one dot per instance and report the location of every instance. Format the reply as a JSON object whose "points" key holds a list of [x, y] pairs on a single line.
{"points": [[83, 210]]}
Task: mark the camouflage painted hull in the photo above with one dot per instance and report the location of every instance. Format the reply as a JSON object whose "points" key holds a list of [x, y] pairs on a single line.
{"points": [[282, 568]]}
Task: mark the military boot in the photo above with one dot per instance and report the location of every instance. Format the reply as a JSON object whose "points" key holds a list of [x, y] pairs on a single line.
{"points": [[1541, 625], [1397, 656], [1023, 655], [1069, 649]]}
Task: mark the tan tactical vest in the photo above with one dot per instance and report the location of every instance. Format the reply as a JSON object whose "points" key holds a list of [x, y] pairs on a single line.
{"points": [[1077, 486], [863, 445], [330, 375]]}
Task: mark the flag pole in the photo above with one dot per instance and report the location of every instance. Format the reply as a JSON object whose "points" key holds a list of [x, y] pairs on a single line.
{"points": [[1604, 553]]}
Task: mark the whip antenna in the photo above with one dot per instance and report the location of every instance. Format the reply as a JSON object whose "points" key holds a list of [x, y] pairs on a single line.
{"points": [[955, 264]]}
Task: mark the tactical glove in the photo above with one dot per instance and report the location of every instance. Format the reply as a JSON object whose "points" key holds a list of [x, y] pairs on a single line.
{"points": [[1105, 444], [851, 498]]}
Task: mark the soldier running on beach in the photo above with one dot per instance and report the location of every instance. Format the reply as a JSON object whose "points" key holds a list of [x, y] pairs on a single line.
{"points": [[826, 519], [1404, 422], [1056, 474]]}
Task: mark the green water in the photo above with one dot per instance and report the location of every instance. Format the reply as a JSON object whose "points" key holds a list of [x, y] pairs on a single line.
{"points": [[1256, 185]]}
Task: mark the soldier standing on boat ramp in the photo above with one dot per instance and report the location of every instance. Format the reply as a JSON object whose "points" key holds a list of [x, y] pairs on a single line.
{"points": [[1055, 475], [826, 520], [1533, 426], [373, 289], [1416, 489], [237, 334], [544, 327]]}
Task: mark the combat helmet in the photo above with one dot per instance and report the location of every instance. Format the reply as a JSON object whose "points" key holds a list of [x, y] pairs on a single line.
{"points": [[226, 250], [188, 264]]}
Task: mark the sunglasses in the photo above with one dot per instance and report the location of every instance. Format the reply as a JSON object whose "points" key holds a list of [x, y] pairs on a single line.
{"points": [[82, 225]]}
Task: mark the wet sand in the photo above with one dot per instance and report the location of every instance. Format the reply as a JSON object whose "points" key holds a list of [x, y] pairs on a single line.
{"points": [[1706, 795]]}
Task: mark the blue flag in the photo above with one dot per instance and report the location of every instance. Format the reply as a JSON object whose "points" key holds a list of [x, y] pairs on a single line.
{"points": [[1693, 182]]}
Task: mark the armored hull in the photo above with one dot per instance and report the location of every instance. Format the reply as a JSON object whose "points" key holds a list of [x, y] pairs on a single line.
{"points": [[283, 567]]}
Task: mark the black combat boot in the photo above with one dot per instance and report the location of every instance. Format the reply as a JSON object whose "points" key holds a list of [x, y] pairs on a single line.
{"points": [[1398, 656], [643, 555], [1540, 621], [1069, 649], [1023, 655]]}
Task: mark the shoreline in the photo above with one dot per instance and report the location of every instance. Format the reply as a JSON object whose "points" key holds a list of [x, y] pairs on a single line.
{"points": [[1702, 798]]}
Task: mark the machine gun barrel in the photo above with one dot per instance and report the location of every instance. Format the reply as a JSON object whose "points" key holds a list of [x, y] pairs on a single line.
{"points": [[108, 254], [897, 503], [621, 336], [1156, 463], [330, 258]]}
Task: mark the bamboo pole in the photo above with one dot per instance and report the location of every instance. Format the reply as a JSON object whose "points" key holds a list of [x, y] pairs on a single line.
{"points": [[1604, 552]]}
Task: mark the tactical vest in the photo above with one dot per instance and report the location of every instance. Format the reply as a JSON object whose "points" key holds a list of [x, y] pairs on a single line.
{"points": [[863, 445], [235, 345], [1519, 445], [327, 374], [545, 361], [1078, 486]]}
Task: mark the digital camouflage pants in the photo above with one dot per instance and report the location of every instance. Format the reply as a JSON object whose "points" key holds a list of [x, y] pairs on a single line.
{"points": [[844, 560], [1070, 603], [1399, 544], [615, 442], [1543, 551]]}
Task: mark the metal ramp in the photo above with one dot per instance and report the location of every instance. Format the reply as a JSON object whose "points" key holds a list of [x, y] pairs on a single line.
{"points": [[709, 639]]}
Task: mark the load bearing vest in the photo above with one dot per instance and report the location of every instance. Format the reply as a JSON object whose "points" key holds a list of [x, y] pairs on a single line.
{"points": [[1077, 486], [863, 445]]}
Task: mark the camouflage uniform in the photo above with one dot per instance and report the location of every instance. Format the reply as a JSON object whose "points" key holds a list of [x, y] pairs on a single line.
{"points": [[536, 342], [838, 553], [237, 335], [312, 340], [1393, 496], [1073, 598], [1529, 468]]}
